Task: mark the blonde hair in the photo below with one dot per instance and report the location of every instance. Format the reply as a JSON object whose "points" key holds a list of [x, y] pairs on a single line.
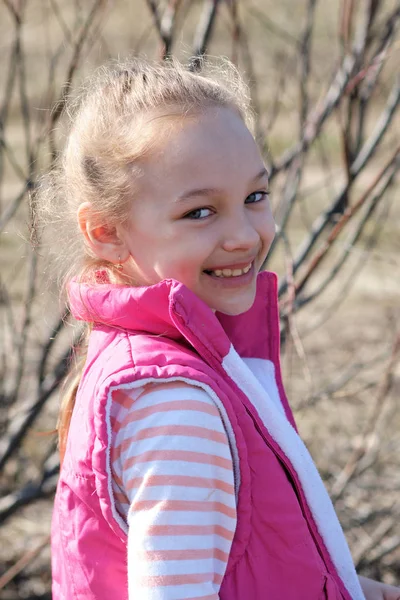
{"points": [[111, 130]]}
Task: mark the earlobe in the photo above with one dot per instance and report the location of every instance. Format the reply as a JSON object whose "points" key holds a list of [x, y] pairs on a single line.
{"points": [[102, 239]]}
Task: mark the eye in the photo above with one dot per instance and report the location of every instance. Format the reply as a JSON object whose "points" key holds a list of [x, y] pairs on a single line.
{"points": [[198, 214], [256, 197]]}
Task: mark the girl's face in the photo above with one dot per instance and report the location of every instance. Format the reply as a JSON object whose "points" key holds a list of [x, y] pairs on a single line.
{"points": [[202, 214]]}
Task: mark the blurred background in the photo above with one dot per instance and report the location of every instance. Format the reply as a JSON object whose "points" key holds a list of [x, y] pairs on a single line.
{"points": [[325, 83]]}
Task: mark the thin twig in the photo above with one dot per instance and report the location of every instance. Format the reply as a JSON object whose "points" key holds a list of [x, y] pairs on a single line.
{"points": [[273, 27], [356, 168], [44, 487], [346, 23], [21, 423], [385, 527], [305, 62], [23, 562], [319, 115], [13, 206], [371, 206], [13, 10], [296, 168], [7, 151], [239, 36], [290, 320], [74, 62], [348, 214], [341, 381], [350, 468], [203, 33], [10, 81], [47, 347]]}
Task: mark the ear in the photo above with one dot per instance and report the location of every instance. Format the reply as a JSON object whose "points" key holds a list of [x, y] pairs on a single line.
{"points": [[103, 240]]}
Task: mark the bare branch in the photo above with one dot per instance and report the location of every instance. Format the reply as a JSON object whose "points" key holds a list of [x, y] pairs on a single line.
{"points": [[11, 76], [388, 180], [348, 214], [385, 527], [344, 81], [74, 62], [274, 27], [165, 24], [47, 347], [21, 423], [341, 381], [23, 562], [240, 37], [360, 162], [7, 151], [42, 488], [13, 10], [351, 466], [378, 554], [305, 55], [346, 24], [319, 115], [56, 10], [13, 206], [294, 177], [203, 34], [380, 129]]}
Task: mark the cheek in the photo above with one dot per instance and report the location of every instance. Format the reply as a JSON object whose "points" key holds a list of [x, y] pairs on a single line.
{"points": [[179, 261], [269, 229]]}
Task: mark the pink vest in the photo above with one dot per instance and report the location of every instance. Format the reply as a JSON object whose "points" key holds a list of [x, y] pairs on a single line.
{"points": [[288, 543]]}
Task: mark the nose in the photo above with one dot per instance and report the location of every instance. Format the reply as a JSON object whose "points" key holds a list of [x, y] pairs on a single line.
{"points": [[240, 233]]}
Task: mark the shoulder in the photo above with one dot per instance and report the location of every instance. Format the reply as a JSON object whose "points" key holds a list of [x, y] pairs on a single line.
{"points": [[176, 391], [168, 421], [171, 401], [168, 413]]}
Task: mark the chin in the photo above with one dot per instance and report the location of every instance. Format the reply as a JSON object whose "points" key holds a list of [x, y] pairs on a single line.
{"points": [[235, 308]]}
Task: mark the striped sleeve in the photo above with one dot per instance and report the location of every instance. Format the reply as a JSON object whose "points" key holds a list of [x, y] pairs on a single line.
{"points": [[173, 480]]}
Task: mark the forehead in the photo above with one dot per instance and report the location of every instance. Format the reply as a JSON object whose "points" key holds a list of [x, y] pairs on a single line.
{"points": [[209, 149]]}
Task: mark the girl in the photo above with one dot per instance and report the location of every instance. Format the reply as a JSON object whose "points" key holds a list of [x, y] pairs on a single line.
{"points": [[183, 476]]}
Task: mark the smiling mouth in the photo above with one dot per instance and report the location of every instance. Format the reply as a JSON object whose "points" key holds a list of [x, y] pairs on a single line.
{"points": [[229, 272]]}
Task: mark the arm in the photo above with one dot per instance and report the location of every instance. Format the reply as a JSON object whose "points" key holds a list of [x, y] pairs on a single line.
{"points": [[177, 474]]}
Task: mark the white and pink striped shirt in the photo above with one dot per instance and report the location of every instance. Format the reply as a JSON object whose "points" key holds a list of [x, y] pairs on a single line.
{"points": [[173, 482]]}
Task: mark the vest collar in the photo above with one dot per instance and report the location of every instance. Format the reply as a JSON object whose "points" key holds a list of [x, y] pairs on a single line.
{"points": [[170, 309]]}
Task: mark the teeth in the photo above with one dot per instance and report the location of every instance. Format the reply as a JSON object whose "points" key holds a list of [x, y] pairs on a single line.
{"points": [[231, 272]]}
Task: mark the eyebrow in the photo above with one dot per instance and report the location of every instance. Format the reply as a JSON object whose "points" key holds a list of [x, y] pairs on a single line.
{"points": [[214, 191]]}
